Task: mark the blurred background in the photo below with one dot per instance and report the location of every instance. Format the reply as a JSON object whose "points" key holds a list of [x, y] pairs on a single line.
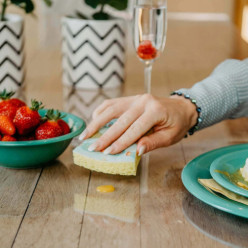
{"points": [[235, 11], [200, 35]]}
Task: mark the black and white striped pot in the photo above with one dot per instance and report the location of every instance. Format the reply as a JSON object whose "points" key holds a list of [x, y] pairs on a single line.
{"points": [[93, 53], [82, 102], [11, 53]]}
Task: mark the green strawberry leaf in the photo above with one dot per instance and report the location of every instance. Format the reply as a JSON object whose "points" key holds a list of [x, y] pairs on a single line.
{"points": [[35, 105], [5, 95], [54, 115]]}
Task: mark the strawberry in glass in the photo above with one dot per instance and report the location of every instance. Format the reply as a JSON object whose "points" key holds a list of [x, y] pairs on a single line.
{"points": [[146, 50]]}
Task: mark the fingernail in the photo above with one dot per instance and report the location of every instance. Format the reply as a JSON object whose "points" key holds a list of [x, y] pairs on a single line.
{"points": [[92, 147], [83, 135], [142, 150], [108, 150]]}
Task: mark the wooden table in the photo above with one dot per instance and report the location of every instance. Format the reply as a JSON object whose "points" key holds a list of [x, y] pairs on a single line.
{"points": [[58, 206]]}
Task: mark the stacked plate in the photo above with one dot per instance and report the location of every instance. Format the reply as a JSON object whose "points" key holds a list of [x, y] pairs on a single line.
{"points": [[228, 159]]}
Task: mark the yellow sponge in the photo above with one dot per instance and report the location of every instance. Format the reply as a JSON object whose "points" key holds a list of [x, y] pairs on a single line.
{"points": [[124, 163]]}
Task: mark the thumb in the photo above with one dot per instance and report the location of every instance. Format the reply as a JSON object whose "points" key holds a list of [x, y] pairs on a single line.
{"points": [[155, 140]]}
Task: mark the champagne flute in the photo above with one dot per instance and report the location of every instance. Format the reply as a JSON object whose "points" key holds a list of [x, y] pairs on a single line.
{"points": [[149, 33]]}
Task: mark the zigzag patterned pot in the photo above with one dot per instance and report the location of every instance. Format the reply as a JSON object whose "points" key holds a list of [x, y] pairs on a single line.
{"points": [[82, 102], [11, 53], [93, 53]]}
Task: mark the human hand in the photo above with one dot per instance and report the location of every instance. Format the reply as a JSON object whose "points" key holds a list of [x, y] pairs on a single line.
{"points": [[168, 118]]}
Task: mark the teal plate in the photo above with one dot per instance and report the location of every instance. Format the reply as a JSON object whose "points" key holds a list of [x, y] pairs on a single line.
{"points": [[200, 168], [230, 163]]}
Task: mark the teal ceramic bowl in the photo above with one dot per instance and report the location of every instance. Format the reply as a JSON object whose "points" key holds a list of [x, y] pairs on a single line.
{"points": [[33, 154]]}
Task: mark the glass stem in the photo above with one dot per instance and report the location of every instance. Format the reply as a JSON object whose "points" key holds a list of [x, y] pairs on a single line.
{"points": [[148, 74]]}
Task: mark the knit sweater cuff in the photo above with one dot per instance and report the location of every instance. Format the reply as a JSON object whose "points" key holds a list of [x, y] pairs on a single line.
{"points": [[222, 95]]}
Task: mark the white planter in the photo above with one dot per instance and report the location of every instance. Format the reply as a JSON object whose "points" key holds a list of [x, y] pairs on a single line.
{"points": [[83, 102], [11, 53], [93, 53]]}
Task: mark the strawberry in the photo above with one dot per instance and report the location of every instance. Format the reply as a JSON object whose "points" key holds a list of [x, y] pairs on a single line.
{"points": [[146, 50], [8, 138], [8, 109], [50, 128], [47, 130], [64, 126], [27, 118], [6, 125], [5, 96], [17, 102]]}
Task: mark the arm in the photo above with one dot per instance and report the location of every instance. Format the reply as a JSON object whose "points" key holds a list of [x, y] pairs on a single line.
{"points": [[224, 94]]}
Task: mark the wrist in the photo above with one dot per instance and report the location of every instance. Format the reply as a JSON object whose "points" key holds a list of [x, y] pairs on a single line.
{"points": [[191, 110]]}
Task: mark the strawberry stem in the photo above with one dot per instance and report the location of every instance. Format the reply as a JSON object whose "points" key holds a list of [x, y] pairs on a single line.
{"points": [[54, 115], [5, 95], [35, 105]]}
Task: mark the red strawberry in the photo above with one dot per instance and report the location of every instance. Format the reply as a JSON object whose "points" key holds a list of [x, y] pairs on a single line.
{"points": [[27, 119], [7, 109], [5, 96], [51, 128], [9, 106], [6, 125], [47, 130], [64, 126], [8, 138], [146, 50], [17, 102]]}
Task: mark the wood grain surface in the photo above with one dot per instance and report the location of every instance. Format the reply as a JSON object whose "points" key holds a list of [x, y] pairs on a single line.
{"points": [[58, 206]]}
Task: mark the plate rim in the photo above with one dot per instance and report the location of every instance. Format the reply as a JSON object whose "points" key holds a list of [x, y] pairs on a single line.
{"points": [[215, 201], [220, 180]]}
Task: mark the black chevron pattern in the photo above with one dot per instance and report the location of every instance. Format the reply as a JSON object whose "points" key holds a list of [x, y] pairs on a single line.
{"points": [[17, 51], [73, 96], [17, 36], [94, 80], [111, 54], [93, 47], [114, 58], [12, 55], [18, 67], [116, 26], [18, 83]]}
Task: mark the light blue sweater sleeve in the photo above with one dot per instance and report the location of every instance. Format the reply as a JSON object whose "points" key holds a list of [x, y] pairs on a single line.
{"points": [[224, 94]]}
